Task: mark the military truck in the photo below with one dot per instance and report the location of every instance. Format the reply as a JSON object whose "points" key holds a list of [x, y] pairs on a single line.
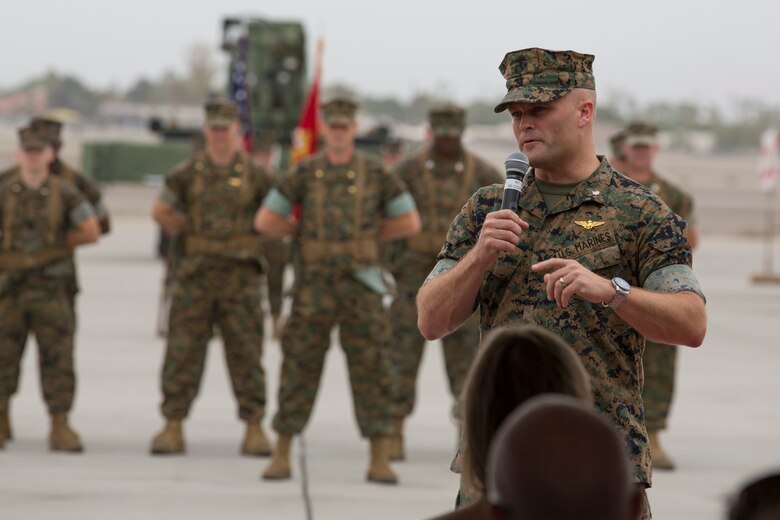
{"points": [[270, 56]]}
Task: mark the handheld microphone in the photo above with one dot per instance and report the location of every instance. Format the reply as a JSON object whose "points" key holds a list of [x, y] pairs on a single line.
{"points": [[517, 166]]}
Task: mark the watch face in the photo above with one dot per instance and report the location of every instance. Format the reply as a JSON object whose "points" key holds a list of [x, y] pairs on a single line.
{"points": [[624, 285]]}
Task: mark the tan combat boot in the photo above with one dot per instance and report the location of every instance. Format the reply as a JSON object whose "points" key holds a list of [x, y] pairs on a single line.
{"points": [[279, 468], [396, 441], [170, 441], [255, 441], [379, 468], [661, 460], [62, 437]]}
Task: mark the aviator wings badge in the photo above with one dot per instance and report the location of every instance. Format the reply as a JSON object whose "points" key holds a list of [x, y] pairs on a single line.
{"points": [[589, 224]]}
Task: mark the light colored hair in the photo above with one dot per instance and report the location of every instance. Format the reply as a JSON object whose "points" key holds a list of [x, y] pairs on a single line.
{"points": [[513, 365]]}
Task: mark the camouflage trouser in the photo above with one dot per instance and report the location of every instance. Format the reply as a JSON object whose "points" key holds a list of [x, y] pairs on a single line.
{"points": [[317, 307], [226, 294], [72, 289], [41, 306], [277, 254], [406, 348], [659, 365]]}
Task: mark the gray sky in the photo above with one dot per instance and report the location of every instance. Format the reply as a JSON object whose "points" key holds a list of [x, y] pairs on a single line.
{"points": [[660, 50]]}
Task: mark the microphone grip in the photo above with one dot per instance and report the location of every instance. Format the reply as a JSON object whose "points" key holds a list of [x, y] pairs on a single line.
{"points": [[512, 189]]}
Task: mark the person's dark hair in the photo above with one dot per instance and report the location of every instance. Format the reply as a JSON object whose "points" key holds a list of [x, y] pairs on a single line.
{"points": [[759, 500], [513, 365]]}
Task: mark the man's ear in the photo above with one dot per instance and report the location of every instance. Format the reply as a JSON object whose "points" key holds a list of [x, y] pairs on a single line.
{"points": [[587, 111]]}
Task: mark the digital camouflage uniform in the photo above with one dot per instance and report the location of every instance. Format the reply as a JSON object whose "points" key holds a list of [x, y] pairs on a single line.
{"points": [[217, 281], [339, 283], [50, 130], [440, 188], [614, 227], [610, 224], [36, 273], [660, 360]]}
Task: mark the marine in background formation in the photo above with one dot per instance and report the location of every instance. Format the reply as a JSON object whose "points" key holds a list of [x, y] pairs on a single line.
{"points": [[43, 218], [50, 131], [348, 204], [441, 177], [640, 148], [210, 202]]}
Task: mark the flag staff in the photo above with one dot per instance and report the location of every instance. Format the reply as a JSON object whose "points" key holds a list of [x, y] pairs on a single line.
{"points": [[768, 173]]}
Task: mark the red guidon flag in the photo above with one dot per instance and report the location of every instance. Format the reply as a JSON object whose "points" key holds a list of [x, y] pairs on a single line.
{"points": [[305, 135]]}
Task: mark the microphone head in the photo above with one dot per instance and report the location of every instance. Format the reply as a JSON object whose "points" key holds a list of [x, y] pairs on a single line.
{"points": [[517, 162]]}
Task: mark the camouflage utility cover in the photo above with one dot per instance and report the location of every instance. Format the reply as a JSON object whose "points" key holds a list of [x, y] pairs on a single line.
{"points": [[614, 227], [50, 128], [447, 120], [641, 133], [221, 112], [539, 75], [32, 138], [339, 111]]}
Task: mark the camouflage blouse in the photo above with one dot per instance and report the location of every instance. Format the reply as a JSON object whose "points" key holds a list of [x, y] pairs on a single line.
{"points": [[613, 226]]}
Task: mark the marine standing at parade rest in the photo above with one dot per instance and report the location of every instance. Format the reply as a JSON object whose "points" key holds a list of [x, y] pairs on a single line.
{"points": [[50, 130], [42, 219], [441, 177], [659, 360], [210, 202], [348, 203], [589, 254]]}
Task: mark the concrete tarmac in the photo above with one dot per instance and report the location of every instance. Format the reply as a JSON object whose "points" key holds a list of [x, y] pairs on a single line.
{"points": [[725, 424]]}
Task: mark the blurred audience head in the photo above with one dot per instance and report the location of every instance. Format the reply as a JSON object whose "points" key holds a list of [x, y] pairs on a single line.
{"points": [[758, 500], [556, 458]]}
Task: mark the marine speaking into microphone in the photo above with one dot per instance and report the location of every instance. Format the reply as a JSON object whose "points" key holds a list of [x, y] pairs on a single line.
{"points": [[517, 166]]}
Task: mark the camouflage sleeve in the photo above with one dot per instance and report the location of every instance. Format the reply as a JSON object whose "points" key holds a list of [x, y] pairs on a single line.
{"points": [[77, 208], [464, 230], [674, 279], [264, 181], [393, 187], [662, 242], [278, 203], [401, 205], [173, 192], [290, 186], [89, 188], [404, 169]]}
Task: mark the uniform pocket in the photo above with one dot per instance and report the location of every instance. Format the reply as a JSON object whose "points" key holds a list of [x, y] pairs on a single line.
{"points": [[601, 259]]}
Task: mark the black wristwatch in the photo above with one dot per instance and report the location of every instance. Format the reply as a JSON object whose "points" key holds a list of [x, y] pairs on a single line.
{"points": [[622, 288]]}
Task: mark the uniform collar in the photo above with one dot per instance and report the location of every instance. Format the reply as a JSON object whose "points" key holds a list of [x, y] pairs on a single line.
{"points": [[591, 189]]}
